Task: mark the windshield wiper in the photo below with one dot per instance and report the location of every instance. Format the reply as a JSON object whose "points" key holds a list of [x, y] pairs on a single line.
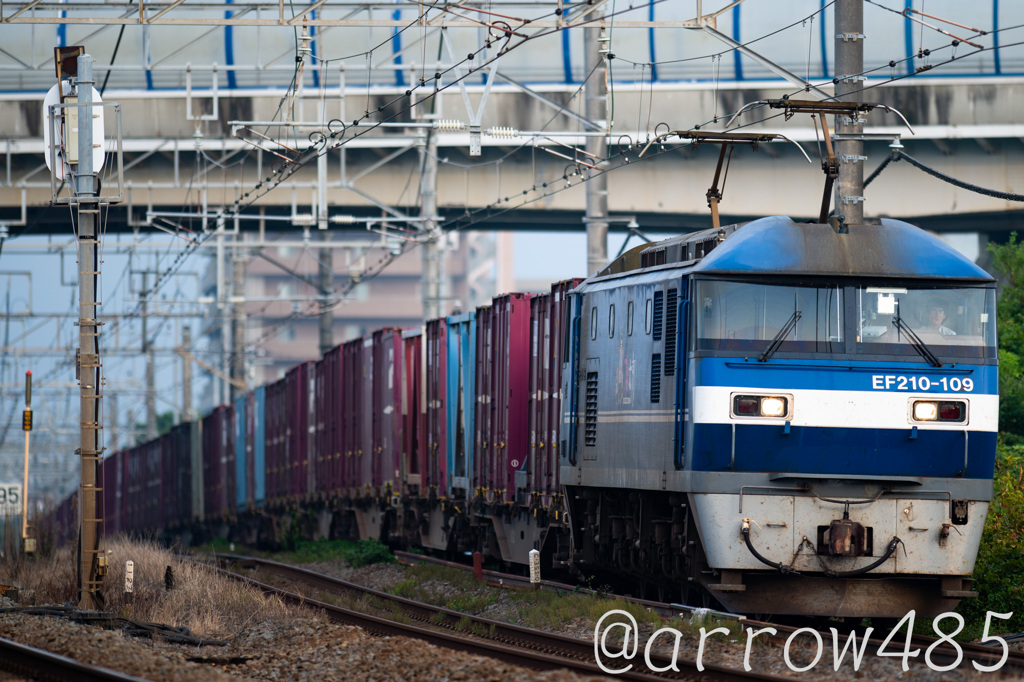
{"points": [[780, 337], [915, 340]]}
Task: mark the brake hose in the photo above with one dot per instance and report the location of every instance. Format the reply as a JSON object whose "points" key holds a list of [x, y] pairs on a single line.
{"points": [[787, 569]]}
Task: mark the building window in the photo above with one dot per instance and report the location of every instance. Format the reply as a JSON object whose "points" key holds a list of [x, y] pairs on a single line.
{"points": [[287, 334]]}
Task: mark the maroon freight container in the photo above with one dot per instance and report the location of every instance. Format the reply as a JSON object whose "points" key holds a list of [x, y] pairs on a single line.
{"points": [[219, 493], [365, 415], [142, 506], [413, 413], [112, 475], [502, 385], [277, 470], [328, 422], [352, 417], [296, 409], [178, 475], [65, 520], [387, 403], [436, 464], [548, 320]]}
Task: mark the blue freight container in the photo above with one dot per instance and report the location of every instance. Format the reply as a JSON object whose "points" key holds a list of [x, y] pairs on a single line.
{"points": [[461, 385]]}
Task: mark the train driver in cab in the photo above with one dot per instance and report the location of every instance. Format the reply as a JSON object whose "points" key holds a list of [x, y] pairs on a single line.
{"points": [[932, 317]]}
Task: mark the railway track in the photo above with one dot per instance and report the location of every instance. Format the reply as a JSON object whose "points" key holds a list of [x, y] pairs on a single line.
{"points": [[472, 634], [38, 664], [943, 654]]}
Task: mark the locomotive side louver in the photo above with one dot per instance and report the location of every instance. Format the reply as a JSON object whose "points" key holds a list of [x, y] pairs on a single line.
{"points": [[658, 305], [656, 378], [670, 333], [590, 420]]}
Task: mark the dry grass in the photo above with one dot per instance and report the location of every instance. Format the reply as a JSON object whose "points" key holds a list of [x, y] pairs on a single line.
{"points": [[206, 603]]}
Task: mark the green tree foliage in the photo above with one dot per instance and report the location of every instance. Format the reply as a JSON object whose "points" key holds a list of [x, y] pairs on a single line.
{"points": [[164, 423], [999, 570], [1009, 263]]}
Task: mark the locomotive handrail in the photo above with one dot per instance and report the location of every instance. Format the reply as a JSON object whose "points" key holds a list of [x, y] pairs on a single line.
{"points": [[856, 478]]}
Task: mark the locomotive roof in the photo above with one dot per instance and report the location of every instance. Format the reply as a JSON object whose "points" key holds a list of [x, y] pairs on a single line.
{"points": [[893, 249]]}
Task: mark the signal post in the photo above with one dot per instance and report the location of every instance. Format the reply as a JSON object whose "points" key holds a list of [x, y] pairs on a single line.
{"points": [[27, 544], [74, 135]]}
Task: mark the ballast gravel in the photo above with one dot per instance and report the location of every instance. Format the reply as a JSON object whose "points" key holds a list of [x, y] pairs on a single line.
{"points": [[316, 650]]}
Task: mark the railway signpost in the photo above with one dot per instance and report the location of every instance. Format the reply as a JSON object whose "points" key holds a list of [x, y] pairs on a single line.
{"points": [[28, 544]]}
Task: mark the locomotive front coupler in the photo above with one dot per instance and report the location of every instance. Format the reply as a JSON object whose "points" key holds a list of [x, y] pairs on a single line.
{"points": [[846, 537]]}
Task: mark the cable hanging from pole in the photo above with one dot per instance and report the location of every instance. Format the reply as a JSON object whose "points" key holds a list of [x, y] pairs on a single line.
{"points": [[1009, 196]]}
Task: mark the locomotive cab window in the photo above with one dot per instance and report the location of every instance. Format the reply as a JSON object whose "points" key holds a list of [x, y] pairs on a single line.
{"points": [[611, 321], [913, 321], [768, 318], [629, 318], [648, 316], [593, 322]]}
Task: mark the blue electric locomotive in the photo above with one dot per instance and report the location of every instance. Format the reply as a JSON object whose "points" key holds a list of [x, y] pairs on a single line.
{"points": [[791, 418]]}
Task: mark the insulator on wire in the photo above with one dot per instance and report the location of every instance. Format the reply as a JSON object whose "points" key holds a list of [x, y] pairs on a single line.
{"points": [[449, 125], [503, 131]]}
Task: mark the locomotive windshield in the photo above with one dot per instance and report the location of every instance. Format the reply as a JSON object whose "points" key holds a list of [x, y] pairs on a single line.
{"points": [[954, 323], [762, 320], [767, 318]]}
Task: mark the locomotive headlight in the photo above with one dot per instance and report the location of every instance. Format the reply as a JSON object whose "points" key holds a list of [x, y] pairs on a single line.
{"points": [[939, 411], [760, 406], [926, 412], [773, 407]]}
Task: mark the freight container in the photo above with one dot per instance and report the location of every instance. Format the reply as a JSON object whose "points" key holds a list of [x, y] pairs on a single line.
{"points": [[548, 319], [276, 443], [387, 401], [258, 461], [112, 477], [436, 377], [352, 403], [461, 401], [503, 338], [242, 448], [413, 413], [218, 436], [296, 410], [177, 474], [328, 422]]}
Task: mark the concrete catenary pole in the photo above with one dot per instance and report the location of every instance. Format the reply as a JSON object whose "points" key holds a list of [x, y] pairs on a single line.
{"points": [[238, 320], [849, 16], [147, 350], [186, 374], [432, 253], [90, 452], [325, 258], [596, 109]]}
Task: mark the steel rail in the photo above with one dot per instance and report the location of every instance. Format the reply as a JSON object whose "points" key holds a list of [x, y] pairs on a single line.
{"points": [[38, 664], [972, 651], [511, 643], [498, 579], [982, 653]]}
